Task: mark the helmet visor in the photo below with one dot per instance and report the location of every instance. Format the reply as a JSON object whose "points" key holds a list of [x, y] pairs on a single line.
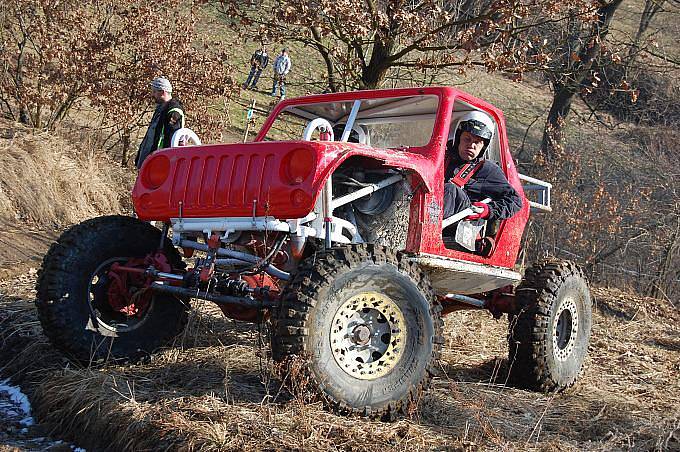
{"points": [[476, 128]]}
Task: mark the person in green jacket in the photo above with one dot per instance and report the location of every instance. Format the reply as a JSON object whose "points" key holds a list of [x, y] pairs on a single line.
{"points": [[168, 117]]}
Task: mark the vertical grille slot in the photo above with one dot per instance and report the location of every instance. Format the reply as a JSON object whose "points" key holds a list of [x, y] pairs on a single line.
{"points": [[179, 182], [224, 176]]}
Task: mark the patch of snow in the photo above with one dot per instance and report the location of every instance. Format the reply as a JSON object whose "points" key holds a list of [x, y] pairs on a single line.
{"points": [[19, 400], [15, 418]]}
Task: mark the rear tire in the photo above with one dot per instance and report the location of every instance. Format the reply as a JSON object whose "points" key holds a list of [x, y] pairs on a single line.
{"points": [[69, 302], [367, 327], [548, 339]]}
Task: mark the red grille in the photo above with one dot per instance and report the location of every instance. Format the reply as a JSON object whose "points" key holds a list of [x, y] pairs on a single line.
{"points": [[233, 180]]}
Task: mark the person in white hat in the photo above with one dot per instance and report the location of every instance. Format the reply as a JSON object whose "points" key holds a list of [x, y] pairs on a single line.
{"points": [[168, 117]]}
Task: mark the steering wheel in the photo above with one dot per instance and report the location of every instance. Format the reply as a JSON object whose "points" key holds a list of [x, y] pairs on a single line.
{"points": [[317, 123], [184, 137]]}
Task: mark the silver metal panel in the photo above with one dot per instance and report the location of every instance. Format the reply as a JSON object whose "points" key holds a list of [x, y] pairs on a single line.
{"points": [[460, 277]]}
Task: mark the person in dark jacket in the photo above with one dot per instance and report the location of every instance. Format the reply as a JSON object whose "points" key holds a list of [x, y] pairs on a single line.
{"points": [[168, 117], [469, 179], [258, 62]]}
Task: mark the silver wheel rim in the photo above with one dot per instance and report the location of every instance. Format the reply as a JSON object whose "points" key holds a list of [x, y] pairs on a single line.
{"points": [[367, 337], [565, 329]]}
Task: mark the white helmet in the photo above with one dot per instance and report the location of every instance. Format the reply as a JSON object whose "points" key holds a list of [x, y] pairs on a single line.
{"points": [[477, 123]]}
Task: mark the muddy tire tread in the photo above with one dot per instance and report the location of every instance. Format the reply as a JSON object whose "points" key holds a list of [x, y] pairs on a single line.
{"points": [[318, 272], [528, 331]]}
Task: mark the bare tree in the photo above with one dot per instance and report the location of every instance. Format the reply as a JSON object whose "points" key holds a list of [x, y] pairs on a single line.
{"points": [[362, 41], [59, 53]]}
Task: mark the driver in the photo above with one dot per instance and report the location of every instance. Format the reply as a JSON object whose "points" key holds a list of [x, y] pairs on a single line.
{"points": [[469, 178]]}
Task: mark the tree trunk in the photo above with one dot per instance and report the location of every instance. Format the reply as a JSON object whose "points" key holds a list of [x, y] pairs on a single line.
{"points": [[553, 132], [652, 7], [330, 67], [125, 143], [373, 75], [569, 83]]}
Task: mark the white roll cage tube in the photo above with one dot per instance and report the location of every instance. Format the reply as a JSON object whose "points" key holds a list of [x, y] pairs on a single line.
{"points": [[542, 189], [317, 123], [313, 225], [185, 136]]}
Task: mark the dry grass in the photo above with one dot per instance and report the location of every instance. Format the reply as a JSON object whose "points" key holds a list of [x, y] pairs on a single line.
{"points": [[214, 390], [49, 181]]}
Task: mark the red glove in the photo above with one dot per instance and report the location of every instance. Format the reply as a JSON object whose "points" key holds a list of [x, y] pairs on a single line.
{"points": [[483, 214]]}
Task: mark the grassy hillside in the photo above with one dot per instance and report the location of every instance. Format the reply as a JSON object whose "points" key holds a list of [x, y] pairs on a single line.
{"points": [[49, 181], [215, 391]]}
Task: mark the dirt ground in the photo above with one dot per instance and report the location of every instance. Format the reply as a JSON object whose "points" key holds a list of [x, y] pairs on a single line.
{"points": [[22, 247], [214, 389]]}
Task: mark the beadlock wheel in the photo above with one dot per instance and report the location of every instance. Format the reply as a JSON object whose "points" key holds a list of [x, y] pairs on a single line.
{"points": [[368, 335], [565, 329], [366, 327], [548, 338]]}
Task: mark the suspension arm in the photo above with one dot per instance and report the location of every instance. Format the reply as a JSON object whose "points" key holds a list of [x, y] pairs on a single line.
{"points": [[218, 299]]}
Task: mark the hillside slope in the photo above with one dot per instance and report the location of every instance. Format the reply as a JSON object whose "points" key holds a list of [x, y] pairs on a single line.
{"points": [[47, 183], [215, 391]]}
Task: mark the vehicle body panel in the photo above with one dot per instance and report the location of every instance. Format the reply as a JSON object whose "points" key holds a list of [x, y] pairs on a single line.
{"points": [[247, 179], [242, 180]]}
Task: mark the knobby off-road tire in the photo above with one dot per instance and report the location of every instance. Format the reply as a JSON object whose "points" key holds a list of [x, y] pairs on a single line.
{"points": [[548, 339], [338, 299], [65, 301]]}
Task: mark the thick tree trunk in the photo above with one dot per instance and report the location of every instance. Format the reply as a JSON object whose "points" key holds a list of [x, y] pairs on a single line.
{"points": [[553, 132], [374, 73], [372, 77]]}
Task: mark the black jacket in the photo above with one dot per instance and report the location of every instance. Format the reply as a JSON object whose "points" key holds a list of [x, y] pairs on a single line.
{"points": [[260, 59], [166, 120], [489, 182]]}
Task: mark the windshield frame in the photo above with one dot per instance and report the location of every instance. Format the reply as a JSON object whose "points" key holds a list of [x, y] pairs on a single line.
{"points": [[362, 96]]}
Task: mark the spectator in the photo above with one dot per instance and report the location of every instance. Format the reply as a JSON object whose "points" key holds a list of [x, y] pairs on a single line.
{"points": [[281, 68], [167, 119], [258, 62]]}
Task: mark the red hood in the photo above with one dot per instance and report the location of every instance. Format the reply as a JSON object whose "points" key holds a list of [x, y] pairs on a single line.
{"points": [[239, 180]]}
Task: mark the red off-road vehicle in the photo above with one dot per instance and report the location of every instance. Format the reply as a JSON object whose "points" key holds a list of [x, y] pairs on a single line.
{"points": [[330, 226]]}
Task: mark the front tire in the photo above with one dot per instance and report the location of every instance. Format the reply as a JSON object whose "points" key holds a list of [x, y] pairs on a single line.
{"points": [[74, 302], [548, 339], [366, 325]]}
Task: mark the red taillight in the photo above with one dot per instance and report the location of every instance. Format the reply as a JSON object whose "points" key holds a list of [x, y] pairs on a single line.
{"points": [[156, 172], [297, 165]]}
